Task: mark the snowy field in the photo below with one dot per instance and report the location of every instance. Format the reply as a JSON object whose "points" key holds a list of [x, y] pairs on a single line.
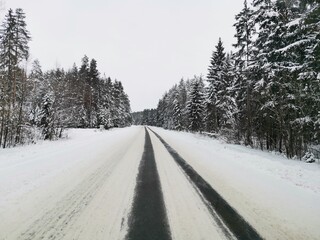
{"points": [[83, 187], [277, 196]]}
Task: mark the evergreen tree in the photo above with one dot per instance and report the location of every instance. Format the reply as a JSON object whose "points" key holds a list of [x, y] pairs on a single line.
{"points": [[116, 108], [7, 58], [177, 112], [225, 104], [161, 111], [210, 109], [195, 105], [219, 82], [217, 66], [245, 28], [84, 78], [13, 49], [244, 58], [94, 82], [182, 90], [35, 84], [47, 117], [75, 97], [106, 103]]}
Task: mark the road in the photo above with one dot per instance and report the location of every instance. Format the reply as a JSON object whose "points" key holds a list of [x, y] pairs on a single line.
{"points": [[133, 187]]}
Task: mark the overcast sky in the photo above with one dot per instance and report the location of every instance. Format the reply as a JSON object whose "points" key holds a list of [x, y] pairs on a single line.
{"points": [[148, 45]]}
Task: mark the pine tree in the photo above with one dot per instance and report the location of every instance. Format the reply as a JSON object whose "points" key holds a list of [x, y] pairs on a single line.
{"points": [[226, 106], [47, 117], [96, 92], [21, 39], [309, 76], [245, 28], [86, 91], [195, 105], [183, 104], [106, 103], [13, 49], [35, 84], [120, 109], [161, 112], [74, 94], [218, 83], [217, 68], [267, 20], [7, 58], [8, 48], [210, 109], [244, 59], [177, 112]]}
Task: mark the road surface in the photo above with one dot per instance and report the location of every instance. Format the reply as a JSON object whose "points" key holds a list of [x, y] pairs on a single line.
{"points": [[131, 185]]}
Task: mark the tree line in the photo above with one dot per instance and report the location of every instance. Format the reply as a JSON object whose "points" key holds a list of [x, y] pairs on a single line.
{"points": [[36, 104], [266, 93]]}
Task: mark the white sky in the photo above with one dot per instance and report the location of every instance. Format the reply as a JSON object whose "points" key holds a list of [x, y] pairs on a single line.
{"points": [[148, 45]]}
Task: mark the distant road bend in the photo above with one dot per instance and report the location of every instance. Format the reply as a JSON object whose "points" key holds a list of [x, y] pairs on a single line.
{"points": [[139, 188]]}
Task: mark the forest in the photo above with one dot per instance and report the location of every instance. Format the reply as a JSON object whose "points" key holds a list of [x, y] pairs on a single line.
{"points": [[265, 93], [37, 104]]}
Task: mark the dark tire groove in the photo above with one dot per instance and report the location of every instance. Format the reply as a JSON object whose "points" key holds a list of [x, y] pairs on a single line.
{"points": [[148, 218], [231, 218]]}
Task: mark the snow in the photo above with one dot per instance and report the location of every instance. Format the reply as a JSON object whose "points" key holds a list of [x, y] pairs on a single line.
{"points": [[82, 187], [303, 120], [78, 188], [294, 22], [277, 196], [292, 45], [188, 216]]}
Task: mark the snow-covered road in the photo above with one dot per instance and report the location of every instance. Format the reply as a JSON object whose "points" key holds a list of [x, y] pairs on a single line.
{"points": [[76, 189], [279, 197], [86, 187]]}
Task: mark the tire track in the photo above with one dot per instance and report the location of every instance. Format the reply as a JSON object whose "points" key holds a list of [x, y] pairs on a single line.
{"points": [[148, 218], [188, 216], [215, 203]]}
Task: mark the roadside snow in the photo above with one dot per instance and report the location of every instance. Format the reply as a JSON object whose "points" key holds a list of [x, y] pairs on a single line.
{"points": [[277, 196]]}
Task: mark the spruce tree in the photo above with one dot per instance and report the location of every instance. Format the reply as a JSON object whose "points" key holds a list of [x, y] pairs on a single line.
{"points": [[195, 105], [183, 104], [94, 82], [86, 91], [13, 49], [226, 106], [47, 117], [177, 112], [245, 28], [210, 109], [7, 61], [244, 59], [35, 84], [217, 78]]}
